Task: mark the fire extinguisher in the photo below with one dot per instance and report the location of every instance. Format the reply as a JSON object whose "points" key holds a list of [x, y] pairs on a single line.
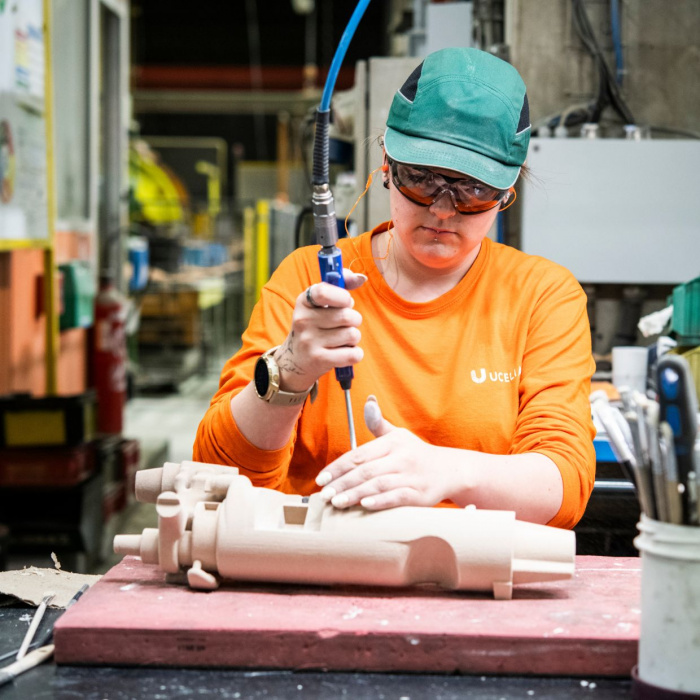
{"points": [[110, 356]]}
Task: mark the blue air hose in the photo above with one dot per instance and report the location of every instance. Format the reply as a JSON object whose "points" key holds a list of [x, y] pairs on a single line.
{"points": [[320, 156], [340, 54]]}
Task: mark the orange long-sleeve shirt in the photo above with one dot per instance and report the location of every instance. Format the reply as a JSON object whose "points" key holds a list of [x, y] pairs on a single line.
{"points": [[500, 364]]}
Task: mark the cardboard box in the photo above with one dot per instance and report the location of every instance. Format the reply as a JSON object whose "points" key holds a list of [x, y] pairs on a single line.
{"points": [[169, 303], [181, 330]]}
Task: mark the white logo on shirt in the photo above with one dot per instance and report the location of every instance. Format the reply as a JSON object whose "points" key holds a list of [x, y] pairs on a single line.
{"points": [[495, 376]]}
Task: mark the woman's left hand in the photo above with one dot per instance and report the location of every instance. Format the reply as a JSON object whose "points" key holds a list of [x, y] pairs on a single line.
{"points": [[396, 469]]}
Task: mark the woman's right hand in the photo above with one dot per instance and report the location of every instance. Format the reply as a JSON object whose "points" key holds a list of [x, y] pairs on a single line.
{"points": [[325, 334]]}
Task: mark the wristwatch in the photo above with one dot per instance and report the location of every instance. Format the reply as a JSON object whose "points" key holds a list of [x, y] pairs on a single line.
{"points": [[267, 383]]}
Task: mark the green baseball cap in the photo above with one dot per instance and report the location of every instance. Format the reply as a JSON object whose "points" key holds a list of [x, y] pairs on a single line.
{"points": [[463, 110]]}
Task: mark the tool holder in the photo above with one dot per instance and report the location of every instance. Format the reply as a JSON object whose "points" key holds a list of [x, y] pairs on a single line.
{"points": [[669, 643]]}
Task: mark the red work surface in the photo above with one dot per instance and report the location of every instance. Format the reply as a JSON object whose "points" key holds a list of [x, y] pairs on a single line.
{"points": [[585, 626]]}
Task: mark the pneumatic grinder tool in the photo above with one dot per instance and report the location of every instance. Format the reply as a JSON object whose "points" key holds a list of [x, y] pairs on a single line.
{"points": [[329, 257]]}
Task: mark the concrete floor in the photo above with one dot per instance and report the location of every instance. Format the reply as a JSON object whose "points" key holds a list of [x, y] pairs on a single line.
{"points": [[172, 418]]}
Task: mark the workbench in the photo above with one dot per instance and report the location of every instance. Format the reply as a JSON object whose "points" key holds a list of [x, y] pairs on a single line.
{"points": [[50, 681], [588, 625]]}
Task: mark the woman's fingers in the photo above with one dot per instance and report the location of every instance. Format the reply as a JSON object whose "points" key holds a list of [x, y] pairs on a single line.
{"points": [[328, 324], [363, 457], [402, 496], [394, 470], [373, 488], [374, 419], [328, 348], [325, 333], [353, 280], [330, 318], [366, 461], [343, 356], [323, 295]]}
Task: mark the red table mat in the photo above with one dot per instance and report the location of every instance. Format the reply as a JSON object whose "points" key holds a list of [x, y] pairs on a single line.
{"points": [[586, 626]]}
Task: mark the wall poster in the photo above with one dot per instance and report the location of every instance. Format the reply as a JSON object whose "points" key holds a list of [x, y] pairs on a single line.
{"points": [[23, 163]]}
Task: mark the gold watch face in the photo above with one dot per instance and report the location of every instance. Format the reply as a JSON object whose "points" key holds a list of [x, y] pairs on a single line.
{"points": [[266, 377], [262, 378]]}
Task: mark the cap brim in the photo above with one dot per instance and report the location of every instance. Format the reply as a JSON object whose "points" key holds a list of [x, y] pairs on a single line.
{"points": [[435, 154]]}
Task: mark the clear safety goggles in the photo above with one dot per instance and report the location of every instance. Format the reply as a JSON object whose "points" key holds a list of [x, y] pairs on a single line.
{"points": [[424, 187]]}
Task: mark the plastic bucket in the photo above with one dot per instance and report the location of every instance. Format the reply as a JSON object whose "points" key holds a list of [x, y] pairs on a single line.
{"points": [[669, 640]]}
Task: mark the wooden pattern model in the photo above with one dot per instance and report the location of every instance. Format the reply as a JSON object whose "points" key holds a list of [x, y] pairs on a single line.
{"points": [[214, 524]]}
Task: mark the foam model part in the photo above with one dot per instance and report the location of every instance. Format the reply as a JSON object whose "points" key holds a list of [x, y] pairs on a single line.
{"points": [[215, 525]]}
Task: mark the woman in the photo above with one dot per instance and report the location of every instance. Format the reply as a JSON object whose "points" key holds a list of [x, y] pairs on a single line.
{"points": [[479, 355]]}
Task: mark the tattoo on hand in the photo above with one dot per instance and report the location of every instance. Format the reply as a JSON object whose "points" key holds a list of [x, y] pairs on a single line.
{"points": [[289, 365], [286, 361]]}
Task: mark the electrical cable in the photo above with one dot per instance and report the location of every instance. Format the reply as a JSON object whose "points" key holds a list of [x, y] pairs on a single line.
{"points": [[585, 32], [617, 40], [553, 120], [298, 224], [608, 90], [612, 87], [581, 114]]}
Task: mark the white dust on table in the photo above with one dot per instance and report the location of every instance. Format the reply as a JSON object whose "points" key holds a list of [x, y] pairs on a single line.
{"points": [[352, 613]]}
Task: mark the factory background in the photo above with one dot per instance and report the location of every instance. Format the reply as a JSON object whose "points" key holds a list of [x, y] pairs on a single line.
{"points": [[155, 165]]}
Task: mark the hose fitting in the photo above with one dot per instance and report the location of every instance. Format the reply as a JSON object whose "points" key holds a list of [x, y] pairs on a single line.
{"points": [[325, 225]]}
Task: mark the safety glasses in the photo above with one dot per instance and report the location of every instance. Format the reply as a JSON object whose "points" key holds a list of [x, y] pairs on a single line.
{"points": [[424, 187]]}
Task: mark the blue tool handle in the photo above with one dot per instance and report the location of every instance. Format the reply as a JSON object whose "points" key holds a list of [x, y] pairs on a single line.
{"points": [[678, 403], [678, 407], [330, 261]]}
